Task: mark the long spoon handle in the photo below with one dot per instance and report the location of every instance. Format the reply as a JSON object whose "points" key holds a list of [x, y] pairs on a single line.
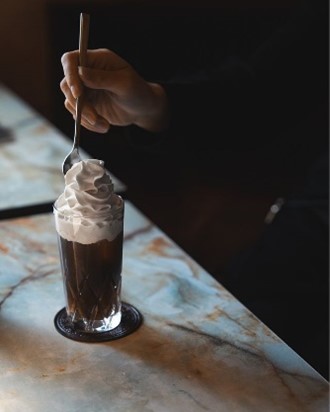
{"points": [[83, 38], [83, 42]]}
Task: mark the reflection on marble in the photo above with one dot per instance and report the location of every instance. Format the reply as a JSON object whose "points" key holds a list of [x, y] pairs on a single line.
{"points": [[198, 349], [34, 154]]}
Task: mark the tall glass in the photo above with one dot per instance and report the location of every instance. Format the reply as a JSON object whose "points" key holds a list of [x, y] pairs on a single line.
{"points": [[91, 271]]}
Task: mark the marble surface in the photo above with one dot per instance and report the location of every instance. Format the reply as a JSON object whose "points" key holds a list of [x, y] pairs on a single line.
{"points": [[33, 153], [198, 349]]}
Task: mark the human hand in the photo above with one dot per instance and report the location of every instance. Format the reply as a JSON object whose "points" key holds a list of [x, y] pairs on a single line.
{"points": [[115, 94]]}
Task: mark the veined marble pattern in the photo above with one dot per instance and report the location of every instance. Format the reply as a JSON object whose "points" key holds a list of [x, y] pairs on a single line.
{"points": [[198, 349], [33, 154]]}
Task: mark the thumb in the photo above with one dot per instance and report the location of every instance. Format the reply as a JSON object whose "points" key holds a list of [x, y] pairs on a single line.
{"points": [[101, 79]]}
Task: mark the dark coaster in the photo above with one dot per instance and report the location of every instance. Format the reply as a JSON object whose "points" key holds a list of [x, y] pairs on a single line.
{"points": [[131, 319]]}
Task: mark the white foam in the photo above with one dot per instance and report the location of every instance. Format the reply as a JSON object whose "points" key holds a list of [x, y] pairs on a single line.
{"points": [[88, 210]]}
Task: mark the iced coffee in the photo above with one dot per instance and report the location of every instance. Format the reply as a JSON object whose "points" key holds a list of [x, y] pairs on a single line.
{"points": [[89, 223]]}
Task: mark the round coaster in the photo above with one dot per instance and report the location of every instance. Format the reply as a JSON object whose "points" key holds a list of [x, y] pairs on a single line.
{"points": [[131, 319]]}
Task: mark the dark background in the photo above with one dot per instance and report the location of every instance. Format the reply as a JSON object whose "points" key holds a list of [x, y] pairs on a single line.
{"points": [[216, 214], [213, 215]]}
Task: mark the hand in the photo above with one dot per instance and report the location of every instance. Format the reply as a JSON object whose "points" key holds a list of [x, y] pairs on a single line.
{"points": [[114, 93]]}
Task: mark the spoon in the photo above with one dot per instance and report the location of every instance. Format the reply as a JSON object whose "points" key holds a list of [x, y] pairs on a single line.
{"points": [[73, 156]]}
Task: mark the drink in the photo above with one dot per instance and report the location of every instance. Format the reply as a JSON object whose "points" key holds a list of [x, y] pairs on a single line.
{"points": [[92, 282], [89, 224]]}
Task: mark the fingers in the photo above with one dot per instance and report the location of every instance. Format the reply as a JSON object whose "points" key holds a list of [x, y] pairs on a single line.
{"points": [[105, 70], [70, 62], [116, 80], [98, 125], [89, 112], [67, 91], [96, 79]]}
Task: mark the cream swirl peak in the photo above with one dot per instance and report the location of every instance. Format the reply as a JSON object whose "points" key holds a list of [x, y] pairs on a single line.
{"points": [[90, 209], [88, 189]]}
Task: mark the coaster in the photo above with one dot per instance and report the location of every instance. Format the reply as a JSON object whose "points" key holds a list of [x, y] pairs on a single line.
{"points": [[131, 319]]}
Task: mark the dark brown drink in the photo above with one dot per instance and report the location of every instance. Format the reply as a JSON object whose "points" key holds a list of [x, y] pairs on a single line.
{"points": [[92, 282]]}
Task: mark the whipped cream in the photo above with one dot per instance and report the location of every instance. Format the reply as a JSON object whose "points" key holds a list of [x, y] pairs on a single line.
{"points": [[88, 209]]}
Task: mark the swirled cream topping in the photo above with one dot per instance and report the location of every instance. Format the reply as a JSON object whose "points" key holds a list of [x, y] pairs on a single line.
{"points": [[88, 210]]}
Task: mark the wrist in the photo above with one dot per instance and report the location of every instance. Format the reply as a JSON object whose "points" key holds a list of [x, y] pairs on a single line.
{"points": [[157, 116]]}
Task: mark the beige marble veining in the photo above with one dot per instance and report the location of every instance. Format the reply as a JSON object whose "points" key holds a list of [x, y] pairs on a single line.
{"points": [[198, 349]]}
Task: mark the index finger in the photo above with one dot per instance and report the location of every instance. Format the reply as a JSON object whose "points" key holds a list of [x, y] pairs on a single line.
{"points": [[70, 63]]}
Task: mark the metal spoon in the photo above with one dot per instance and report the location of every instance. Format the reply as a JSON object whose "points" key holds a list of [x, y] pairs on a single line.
{"points": [[73, 156]]}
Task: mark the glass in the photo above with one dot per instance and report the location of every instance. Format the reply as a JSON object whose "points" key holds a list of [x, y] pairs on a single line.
{"points": [[92, 271]]}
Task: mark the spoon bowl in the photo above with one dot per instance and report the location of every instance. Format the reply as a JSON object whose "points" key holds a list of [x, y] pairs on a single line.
{"points": [[72, 158]]}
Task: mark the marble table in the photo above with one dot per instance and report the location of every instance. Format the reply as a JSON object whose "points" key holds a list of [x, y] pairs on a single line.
{"points": [[31, 156], [198, 348]]}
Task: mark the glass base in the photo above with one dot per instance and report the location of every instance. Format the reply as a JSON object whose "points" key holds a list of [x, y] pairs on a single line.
{"points": [[130, 321], [97, 325]]}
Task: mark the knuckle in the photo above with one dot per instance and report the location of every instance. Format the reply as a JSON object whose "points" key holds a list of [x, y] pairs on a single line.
{"points": [[64, 57], [67, 56], [67, 105], [63, 84]]}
